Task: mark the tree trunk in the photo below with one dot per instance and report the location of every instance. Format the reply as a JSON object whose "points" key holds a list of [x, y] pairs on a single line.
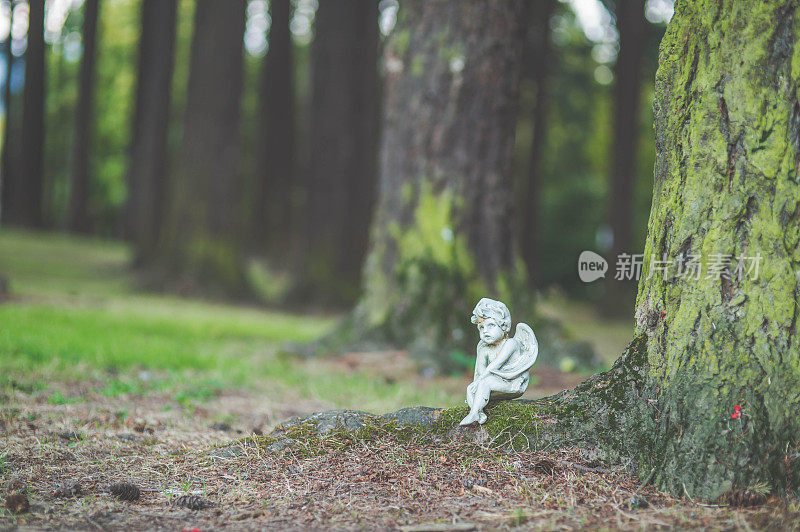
{"points": [[27, 208], [726, 186], [79, 217], [271, 223], [355, 239], [343, 146], [537, 54], [148, 167], [727, 130], [202, 241], [631, 26], [6, 171], [443, 235]]}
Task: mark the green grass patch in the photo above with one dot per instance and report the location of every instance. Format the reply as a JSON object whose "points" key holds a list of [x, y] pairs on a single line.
{"points": [[51, 263], [36, 335], [77, 314], [58, 399], [75, 305]]}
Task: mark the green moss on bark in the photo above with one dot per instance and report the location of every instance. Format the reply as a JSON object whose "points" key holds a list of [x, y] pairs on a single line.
{"points": [[425, 299], [726, 183]]}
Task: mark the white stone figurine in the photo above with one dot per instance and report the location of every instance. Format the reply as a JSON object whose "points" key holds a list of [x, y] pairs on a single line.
{"points": [[502, 367]]}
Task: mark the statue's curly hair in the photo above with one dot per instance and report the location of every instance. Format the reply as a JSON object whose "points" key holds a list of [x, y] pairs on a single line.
{"points": [[494, 310]]}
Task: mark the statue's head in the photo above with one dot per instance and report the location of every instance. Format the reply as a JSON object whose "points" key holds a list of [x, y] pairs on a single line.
{"points": [[493, 320]]}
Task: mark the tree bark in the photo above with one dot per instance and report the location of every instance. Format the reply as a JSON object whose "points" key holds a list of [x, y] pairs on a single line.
{"points": [[343, 146], [271, 223], [631, 26], [726, 182], [79, 216], [727, 126], [148, 167], [27, 200], [444, 235], [201, 246], [537, 54], [6, 170]]}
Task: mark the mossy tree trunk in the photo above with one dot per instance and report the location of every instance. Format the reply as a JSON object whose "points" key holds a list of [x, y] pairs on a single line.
{"points": [[726, 183], [201, 246], [443, 235]]}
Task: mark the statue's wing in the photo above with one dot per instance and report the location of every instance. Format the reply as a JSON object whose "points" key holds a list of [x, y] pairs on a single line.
{"points": [[528, 344], [528, 350]]}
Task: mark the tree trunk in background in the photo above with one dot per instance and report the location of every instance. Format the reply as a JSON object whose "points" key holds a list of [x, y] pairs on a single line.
{"points": [[443, 235], [79, 217], [537, 55], [201, 246], [343, 146], [148, 167], [363, 182], [271, 223], [6, 172], [631, 26], [26, 208]]}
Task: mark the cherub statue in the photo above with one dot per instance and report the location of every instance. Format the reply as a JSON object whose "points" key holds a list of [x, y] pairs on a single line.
{"points": [[502, 367]]}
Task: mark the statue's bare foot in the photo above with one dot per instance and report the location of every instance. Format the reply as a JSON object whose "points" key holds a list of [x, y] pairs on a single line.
{"points": [[481, 417], [469, 420]]}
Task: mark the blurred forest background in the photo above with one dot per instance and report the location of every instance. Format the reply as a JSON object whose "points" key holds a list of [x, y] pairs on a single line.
{"points": [[234, 145]]}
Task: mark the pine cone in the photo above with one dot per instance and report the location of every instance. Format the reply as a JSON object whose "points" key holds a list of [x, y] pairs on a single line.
{"points": [[17, 503], [125, 491], [192, 502]]}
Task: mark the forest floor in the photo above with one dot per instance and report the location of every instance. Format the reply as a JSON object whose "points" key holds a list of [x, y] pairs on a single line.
{"points": [[101, 384]]}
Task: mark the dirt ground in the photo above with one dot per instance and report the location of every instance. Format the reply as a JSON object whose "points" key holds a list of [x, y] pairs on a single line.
{"points": [[48, 451]]}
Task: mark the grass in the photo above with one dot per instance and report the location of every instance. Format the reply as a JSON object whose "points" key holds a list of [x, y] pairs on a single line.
{"points": [[77, 314], [124, 336], [43, 264], [75, 304]]}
